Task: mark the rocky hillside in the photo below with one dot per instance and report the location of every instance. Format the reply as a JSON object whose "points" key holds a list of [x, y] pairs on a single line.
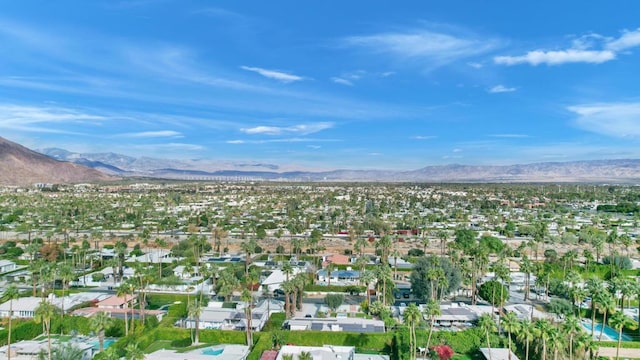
{"points": [[21, 166]]}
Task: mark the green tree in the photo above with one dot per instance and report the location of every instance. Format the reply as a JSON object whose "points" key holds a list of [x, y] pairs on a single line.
{"points": [[572, 328], [99, 323], [486, 323], [431, 311], [133, 352], [620, 321], [194, 311], [333, 301], [511, 325], [427, 273], [493, 292], [42, 315], [412, 317], [526, 333], [11, 293], [247, 298]]}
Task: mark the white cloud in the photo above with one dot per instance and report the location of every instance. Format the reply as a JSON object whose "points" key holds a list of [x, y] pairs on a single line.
{"points": [[282, 140], [342, 81], [509, 136], [152, 134], [627, 40], [475, 65], [501, 89], [431, 48], [557, 57], [424, 137], [235, 141], [457, 150], [274, 74], [611, 119], [303, 129]]}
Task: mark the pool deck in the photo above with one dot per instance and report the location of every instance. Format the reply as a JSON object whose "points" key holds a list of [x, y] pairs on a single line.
{"points": [[231, 352]]}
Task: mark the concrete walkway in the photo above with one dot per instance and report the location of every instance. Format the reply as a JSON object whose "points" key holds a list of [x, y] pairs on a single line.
{"points": [[610, 352]]}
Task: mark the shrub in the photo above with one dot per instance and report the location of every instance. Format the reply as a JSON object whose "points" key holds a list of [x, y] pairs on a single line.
{"points": [[622, 262]]}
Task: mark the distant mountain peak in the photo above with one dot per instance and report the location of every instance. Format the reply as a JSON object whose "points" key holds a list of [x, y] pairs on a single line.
{"points": [[22, 166]]}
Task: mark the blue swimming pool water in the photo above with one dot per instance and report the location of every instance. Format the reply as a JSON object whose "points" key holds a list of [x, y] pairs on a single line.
{"points": [[212, 351], [107, 343], [609, 331]]}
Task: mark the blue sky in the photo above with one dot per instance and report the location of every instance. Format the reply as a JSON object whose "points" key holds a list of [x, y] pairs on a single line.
{"points": [[324, 84]]}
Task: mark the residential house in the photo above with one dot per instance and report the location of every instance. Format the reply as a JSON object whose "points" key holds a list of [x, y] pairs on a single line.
{"points": [[338, 277], [6, 266], [326, 352], [357, 325], [31, 349]]}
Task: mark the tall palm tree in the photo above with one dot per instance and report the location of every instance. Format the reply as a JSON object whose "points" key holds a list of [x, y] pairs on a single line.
{"points": [[527, 268], [123, 292], [572, 328], [595, 289], [431, 311], [525, 333], [195, 310], [510, 324], [287, 269], [367, 278], [133, 352], [288, 287], [542, 329], [11, 293], [43, 314], [556, 341], [99, 323], [606, 304], [486, 323], [412, 317], [65, 273], [248, 299], [620, 321]]}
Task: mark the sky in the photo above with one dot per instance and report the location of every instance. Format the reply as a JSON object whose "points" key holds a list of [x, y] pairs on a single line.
{"points": [[324, 84]]}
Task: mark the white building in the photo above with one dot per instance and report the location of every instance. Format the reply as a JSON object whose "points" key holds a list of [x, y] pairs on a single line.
{"points": [[357, 325], [221, 352], [30, 349], [326, 352], [6, 266]]}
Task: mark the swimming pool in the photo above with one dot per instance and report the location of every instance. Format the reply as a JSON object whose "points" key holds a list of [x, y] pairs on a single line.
{"points": [[608, 331], [212, 351], [106, 344]]}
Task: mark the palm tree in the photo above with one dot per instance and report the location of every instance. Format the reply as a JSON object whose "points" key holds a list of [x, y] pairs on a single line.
{"points": [[431, 311], [555, 341], [511, 324], [304, 355], [248, 299], [411, 317], [288, 287], [328, 270], [595, 289], [65, 273], [133, 352], [195, 310], [11, 293], [367, 278], [571, 327], [525, 333], [620, 321], [486, 323], [527, 268], [99, 323], [287, 269], [123, 291], [606, 304], [43, 314], [542, 330]]}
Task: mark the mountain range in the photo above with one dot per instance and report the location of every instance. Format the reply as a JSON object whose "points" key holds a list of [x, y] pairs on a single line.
{"points": [[598, 171], [22, 166]]}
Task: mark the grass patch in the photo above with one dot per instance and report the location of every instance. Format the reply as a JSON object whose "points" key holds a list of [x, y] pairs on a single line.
{"points": [[159, 345]]}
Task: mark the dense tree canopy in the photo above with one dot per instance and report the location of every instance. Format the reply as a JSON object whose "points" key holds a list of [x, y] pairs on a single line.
{"points": [[433, 277]]}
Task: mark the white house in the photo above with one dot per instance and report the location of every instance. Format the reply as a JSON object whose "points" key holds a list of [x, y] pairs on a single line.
{"points": [[326, 352], [31, 349], [6, 266]]}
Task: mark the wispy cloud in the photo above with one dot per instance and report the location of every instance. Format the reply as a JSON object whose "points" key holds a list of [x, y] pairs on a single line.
{"points": [[611, 119], [153, 134], [342, 81], [501, 89], [274, 74], [627, 40], [558, 57], [509, 136], [424, 137], [282, 140], [429, 48], [45, 119], [302, 129], [590, 48]]}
